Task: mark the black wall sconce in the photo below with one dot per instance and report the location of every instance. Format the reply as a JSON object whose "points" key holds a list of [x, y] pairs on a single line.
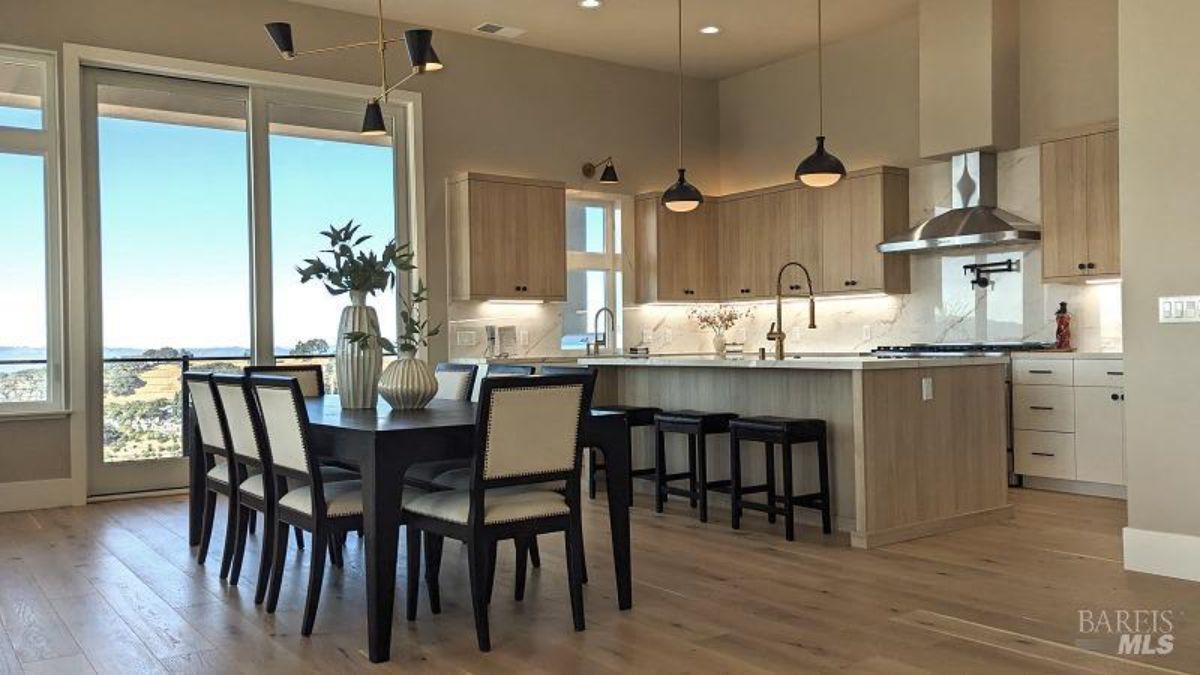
{"points": [[608, 176]]}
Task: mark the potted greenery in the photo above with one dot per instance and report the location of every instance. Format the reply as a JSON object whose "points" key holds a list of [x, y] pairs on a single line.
{"points": [[358, 273]]}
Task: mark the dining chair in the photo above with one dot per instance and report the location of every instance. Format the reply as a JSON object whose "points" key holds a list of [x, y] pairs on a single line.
{"points": [[527, 434], [218, 465], [310, 376], [327, 509], [456, 381]]}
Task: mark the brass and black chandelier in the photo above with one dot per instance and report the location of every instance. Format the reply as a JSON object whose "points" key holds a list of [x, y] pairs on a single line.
{"points": [[421, 57]]}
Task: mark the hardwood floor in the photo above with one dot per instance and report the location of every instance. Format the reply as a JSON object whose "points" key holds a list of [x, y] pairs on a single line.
{"points": [[113, 587]]}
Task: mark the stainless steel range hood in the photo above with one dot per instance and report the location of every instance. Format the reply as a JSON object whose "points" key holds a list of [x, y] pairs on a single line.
{"points": [[974, 220]]}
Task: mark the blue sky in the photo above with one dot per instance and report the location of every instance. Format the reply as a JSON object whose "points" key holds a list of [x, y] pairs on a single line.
{"points": [[175, 233]]}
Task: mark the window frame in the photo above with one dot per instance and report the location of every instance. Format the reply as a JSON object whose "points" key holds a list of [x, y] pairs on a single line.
{"points": [[609, 261], [44, 143]]}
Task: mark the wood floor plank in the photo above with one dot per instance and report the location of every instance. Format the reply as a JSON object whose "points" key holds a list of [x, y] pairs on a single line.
{"points": [[36, 632], [109, 644], [76, 665]]}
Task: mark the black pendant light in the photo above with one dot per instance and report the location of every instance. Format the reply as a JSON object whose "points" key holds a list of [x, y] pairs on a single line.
{"points": [[820, 169], [682, 196], [421, 57]]}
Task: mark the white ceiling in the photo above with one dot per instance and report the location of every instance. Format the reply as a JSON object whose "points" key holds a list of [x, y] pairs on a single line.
{"points": [[643, 32]]}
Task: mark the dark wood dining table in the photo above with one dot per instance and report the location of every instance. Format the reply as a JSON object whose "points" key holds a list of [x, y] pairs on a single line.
{"points": [[382, 443]]}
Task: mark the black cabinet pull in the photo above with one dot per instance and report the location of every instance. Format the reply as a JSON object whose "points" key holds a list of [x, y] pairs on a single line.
{"points": [[1082, 266], [1041, 407], [846, 283], [1115, 372], [1116, 397], [1040, 372], [1122, 397], [1091, 266], [854, 282], [1043, 454]]}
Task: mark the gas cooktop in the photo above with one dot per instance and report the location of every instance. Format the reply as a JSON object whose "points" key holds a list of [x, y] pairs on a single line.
{"points": [[934, 349]]}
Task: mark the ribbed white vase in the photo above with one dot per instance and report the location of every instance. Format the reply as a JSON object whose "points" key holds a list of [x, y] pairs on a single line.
{"points": [[408, 383], [358, 367]]}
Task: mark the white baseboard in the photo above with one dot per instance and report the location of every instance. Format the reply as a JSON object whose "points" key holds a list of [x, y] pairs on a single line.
{"points": [[36, 494], [1076, 487], [1163, 553]]}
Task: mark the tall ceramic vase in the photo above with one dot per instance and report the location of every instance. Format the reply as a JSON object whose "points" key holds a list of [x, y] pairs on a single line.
{"points": [[408, 383], [358, 367]]}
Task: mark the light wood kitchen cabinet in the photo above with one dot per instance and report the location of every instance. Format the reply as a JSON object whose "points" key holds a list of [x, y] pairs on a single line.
{"points": [[676, 252], [857, 213], [507, 238], [1080, 213], [760, 231]]}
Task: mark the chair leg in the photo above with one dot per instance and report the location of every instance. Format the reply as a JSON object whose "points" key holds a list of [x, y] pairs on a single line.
{"points": [[253, 521], [592, 473], [574, 545], [477, 552], [789, 513], [231, 518], [316, 575], [701, 475], [412, 545], [735, 480], [281, 547], [433, 565], [522, 546], [577, 517], [535, 556], [826, 502], [660, 471], [245, 517], [335, 550], [491, 570], [266, 551], [769, 448], [206, 525], [299, 539], [692, 470]]}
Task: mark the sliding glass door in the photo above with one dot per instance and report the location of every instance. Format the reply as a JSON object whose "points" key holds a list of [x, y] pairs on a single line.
{"points": [[202, 199]]}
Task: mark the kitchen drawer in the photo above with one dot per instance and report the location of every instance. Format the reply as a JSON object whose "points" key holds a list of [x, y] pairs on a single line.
{"points": [[1099, 373], [1042, 371], [1044, 408], [1044, 453]]}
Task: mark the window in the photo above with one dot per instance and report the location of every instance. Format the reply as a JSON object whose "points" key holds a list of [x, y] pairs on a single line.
{"points": [[30, 372], [593, 270]]}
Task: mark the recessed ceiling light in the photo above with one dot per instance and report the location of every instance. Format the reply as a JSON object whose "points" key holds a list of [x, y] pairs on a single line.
{"points": [[710, 30], [590, 4]]}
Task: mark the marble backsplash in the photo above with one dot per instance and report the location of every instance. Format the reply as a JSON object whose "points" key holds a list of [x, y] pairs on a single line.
{"points": [[943, 306]]}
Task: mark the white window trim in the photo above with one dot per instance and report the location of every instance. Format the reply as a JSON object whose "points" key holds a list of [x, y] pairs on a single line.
{"points": [[609, 261], [44, 143]]}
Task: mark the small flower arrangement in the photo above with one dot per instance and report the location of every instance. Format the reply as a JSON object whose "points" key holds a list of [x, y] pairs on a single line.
{"points": [[718, 319]]}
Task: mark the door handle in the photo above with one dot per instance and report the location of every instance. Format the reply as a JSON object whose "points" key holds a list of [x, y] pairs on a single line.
{"points": [[1043, 454], [1041, 407]]}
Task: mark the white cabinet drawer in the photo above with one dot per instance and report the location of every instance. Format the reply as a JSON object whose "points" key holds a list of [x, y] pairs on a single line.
{"points": [[1044, 408], [1044, 453], [1099, 373], [1042, 371]]}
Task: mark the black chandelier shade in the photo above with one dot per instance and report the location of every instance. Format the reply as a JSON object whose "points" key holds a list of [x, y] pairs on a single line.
{"points": [[682, 196], [281, 35], [820, 169], [373, 120], [609, 175], [420, 50]]}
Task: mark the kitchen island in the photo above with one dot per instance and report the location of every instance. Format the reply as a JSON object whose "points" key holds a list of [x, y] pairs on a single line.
{"points": [[917, 445]]}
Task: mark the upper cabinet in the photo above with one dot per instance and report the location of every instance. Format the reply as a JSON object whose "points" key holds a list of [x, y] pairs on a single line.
{"points": [[1080, 219], [507, 238], [856, 214], [676, 252]]}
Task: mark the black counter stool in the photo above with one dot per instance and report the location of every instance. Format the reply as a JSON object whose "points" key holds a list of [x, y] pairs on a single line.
{"points": [[786, 432], [697, 425], [637, 416]]}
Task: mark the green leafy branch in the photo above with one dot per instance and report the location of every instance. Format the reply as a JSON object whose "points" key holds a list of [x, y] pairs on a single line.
{"points": [[414, 327], [353, 269]]}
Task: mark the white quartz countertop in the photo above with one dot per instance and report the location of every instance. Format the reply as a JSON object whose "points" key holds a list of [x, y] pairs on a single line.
{"points": [[804, 362], [1106, 356]]}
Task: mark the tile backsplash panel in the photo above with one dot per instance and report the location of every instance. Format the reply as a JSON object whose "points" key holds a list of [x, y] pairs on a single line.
{"points": [[943, 306]]}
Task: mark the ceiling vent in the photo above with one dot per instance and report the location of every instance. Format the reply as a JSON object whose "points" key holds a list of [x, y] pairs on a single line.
{"points": [[499, 31]]}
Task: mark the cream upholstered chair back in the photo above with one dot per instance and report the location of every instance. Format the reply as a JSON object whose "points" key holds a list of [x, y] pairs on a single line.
{"points": [[531, 427], [235, 398], [310, 377], [280, 404], [455, 381], [205, 405]]}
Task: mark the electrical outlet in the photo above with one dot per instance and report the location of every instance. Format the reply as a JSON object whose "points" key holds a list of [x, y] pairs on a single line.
{"points": [[466, 338], [926, 388], [522, 338]]}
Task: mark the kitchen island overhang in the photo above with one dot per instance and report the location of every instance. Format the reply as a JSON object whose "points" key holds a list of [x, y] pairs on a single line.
{"points": [[917, 446]]}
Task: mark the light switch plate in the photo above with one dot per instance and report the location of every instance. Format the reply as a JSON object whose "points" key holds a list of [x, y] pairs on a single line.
{"points": [[926, 388], [523, 338], [1179, 309], [466, 338]]}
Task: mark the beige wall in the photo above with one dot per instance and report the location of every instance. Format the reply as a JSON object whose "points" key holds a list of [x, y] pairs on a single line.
{"points": [[498, 107], [1159, 66], [1068, 65], [769, 115], [34, 450]]}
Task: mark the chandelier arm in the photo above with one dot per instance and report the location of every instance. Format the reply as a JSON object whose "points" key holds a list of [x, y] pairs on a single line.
{"points": [[350, 45], [394, 86]]}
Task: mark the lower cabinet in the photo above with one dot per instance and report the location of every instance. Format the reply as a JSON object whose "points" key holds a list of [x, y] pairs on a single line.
{"points": [[1073, 429]]}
